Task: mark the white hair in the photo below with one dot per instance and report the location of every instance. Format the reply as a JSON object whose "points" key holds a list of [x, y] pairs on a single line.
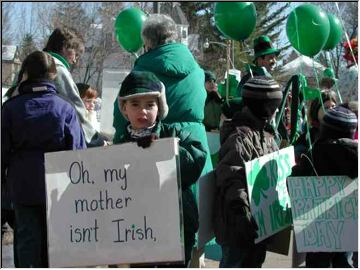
{"points": [[158, 29]]}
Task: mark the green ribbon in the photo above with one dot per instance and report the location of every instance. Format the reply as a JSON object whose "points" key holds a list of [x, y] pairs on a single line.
{"points": [[61, 59]]}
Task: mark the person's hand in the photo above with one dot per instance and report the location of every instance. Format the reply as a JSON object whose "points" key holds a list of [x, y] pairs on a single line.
{"points": [[243, 223], [107, 143], [146, 141]]}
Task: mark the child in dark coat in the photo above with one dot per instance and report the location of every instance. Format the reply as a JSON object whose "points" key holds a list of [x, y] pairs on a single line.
{"points": [[142, 101], [334, 153], [34, 122], [243, 138]]}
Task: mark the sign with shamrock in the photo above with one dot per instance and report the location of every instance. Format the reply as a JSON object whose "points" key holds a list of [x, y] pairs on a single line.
{"points": [[268, 196]]}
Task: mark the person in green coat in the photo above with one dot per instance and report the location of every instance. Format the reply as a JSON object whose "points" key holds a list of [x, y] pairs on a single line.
{"points": [[212, 110], [142, 102], [183, 78], [184, 81]]}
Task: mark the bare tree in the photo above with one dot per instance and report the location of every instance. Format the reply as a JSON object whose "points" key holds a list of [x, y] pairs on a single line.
{"points": [[347, 13], [147, 7], [6, 20], [43, 12]]}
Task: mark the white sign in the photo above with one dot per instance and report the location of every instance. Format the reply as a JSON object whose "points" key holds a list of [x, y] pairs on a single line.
{"points": [[114, 205], [111, 84], [207, 188], [325, 213], [268, 196]]}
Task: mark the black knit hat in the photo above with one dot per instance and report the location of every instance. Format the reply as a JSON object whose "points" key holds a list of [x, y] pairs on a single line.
{"points": [[143, 83], [340, 120], [262, 95]]}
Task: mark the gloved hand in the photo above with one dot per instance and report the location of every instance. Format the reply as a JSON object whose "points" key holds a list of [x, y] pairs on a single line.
{"points": [[215, 96], [146, 141]]}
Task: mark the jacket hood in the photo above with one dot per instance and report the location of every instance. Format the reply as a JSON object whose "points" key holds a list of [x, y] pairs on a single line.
{"points": [[342, 152], [165, 60], [32, 86]]}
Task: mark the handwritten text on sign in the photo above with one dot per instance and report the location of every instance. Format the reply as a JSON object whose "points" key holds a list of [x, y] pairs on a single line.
{"points": [[269, 199], [325, 214], [114, 205]]}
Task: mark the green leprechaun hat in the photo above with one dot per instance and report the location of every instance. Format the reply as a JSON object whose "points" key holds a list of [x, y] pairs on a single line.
{"points": [[262, 46]]}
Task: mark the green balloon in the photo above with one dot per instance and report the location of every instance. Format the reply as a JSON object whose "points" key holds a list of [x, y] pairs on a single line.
{"points": [[308, 29], [235, 20], [335, 32], [128, 26]]}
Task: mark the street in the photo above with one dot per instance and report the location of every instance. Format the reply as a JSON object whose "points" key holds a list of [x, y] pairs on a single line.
{"points": [[273, 260]]}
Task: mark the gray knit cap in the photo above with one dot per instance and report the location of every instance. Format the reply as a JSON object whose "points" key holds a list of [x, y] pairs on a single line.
{"points": [[340, 119], [262, 95]]}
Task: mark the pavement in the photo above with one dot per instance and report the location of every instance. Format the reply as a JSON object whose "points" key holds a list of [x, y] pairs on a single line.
{"points": [[272, 260]]}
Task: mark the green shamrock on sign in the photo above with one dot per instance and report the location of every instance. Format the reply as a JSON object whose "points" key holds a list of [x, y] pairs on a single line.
{"points": [[262, 180]]}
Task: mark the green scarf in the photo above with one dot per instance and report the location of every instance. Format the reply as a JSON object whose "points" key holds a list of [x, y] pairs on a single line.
{"points": [[60, 58]]}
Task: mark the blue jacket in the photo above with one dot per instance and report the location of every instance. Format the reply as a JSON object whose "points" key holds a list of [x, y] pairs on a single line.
{"points": [[32, 123]]}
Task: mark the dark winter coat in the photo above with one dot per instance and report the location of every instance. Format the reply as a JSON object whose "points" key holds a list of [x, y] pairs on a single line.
{"points": [[212, 111], [192, 160], [330, 157], [242, 139], [35, 122]]}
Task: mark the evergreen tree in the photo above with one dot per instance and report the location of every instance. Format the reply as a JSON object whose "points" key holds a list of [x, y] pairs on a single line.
{"points": [[200, 16], [27, 46], [270, 20]]}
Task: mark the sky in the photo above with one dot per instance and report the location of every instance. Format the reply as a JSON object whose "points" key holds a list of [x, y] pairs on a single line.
{"points": [[23, 9]]}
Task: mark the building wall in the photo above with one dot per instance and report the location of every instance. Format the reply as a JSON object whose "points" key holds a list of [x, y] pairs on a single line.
{"points": [[8, 72]]}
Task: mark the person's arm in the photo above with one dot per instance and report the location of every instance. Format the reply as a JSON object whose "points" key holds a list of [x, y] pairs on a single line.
{"points": [[74, 137], [230, 171], [119, 123], [192, 158], [67, 88], [5, 142], [231, 184]]}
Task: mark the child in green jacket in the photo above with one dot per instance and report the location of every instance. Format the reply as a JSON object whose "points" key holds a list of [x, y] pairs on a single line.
{"points": [[142, 101]]}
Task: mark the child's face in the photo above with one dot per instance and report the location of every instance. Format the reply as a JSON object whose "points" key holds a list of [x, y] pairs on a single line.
{"points": [[141, 111], [89, 103], [327, 105]]}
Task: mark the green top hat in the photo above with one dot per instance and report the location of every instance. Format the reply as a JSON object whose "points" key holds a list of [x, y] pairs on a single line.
{"points": [[262, 46]]}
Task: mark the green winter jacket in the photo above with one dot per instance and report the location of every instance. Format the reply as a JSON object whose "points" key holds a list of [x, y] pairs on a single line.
{"points": [[192, 160], [184, 80]]}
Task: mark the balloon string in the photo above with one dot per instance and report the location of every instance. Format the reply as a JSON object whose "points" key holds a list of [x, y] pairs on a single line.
{"points": [[229, 56], [298, 41], [346, 35], [336, 84], [317, 82], [228, 44]]}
